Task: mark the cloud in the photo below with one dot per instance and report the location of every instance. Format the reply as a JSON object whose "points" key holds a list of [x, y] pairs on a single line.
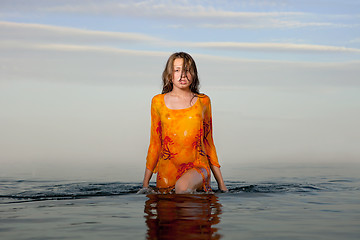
{"points": [[76, 48], [217, 14], [283, 47], [107, 65], [50, 53], [271, 23], [32, 35], [203, 16], [163, 9], [42, 32]]}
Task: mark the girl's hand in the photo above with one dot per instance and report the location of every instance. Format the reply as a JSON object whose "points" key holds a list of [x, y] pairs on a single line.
{"points": [[217, 174], [223, 188], [144, 190]]}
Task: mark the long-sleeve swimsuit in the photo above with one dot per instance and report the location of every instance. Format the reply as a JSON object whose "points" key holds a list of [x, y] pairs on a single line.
{"points": [[180, 140]]}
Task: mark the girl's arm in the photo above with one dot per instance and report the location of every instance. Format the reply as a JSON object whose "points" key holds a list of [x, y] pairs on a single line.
{"points": [[219, 179], [147, 177], [210, 147], [155, 144]]}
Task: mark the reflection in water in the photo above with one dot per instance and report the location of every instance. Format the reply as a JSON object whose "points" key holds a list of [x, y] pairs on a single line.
{"points": [[182, 216]]}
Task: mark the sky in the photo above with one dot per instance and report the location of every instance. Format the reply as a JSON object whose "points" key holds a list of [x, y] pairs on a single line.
{"points": [[77, 78]]}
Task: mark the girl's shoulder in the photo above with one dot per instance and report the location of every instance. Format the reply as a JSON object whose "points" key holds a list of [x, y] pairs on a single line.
{"points": [[204, 98], [157, 98]]}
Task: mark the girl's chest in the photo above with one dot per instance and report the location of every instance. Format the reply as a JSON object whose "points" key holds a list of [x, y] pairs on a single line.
{"points": [[192, 116]]}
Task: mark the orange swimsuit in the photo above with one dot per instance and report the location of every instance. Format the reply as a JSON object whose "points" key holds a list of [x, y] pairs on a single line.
{"points": [[181, 139]]}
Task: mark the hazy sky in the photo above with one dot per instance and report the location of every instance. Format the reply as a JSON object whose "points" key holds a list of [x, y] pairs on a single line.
{"points": [[77, 78]]}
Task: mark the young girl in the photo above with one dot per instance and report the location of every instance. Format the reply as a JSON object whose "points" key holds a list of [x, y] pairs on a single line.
{"points": [[181, 149]]}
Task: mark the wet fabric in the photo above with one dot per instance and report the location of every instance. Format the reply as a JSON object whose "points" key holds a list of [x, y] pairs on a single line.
{"points": [[180, 140]]}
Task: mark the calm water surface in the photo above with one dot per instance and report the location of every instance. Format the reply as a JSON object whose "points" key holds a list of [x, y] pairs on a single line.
{"points": [[273, 202]]}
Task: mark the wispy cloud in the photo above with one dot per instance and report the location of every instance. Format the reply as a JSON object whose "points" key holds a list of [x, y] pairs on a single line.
{"points": [[48, 32], [88, 64], [77, 48], [272, 23], [217, 14], [202, 16], [163, 9], [31, 35], [283, 47]]}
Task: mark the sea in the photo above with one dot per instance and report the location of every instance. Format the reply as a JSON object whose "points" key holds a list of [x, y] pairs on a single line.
{"points": [[305, 201]]}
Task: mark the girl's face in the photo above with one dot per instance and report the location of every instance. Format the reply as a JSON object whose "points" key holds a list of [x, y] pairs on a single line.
{"points": [[181, 77]]}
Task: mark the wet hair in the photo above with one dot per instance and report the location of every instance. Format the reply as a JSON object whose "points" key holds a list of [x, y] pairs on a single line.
{"points": [[189, 64]]}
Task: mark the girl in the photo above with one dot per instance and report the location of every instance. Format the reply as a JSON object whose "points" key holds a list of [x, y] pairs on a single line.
{"points": [[181, 149]]}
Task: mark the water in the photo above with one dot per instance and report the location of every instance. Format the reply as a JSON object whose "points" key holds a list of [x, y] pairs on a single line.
{"points": [[270, 202]]}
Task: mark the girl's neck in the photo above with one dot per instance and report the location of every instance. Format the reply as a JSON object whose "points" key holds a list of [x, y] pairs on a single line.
{"points": [[181, 92]]}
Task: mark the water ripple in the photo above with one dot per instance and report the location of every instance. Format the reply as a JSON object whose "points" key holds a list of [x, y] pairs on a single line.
{"points": [[23, 190]]}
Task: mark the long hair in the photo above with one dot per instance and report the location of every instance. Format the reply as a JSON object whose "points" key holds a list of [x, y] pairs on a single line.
{"points": [[188, 63]]}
